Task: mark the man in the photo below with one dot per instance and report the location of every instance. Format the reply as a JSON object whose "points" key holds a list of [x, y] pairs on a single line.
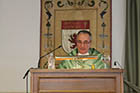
{"points": [[83, 42]]}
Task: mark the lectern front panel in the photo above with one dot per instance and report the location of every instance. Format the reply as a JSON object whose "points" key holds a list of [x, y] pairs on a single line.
{"points": [[76, 81]]}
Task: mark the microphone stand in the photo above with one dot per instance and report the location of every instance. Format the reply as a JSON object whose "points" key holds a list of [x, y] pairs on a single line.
{"points": [[26, 74], [39, 61], [47, 54]]}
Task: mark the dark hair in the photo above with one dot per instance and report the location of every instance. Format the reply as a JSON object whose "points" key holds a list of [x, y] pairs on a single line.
{"points": [[85, 32]]}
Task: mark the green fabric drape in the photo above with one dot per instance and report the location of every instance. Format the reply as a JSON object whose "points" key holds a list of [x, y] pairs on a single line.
{"points": [[132, 55]]}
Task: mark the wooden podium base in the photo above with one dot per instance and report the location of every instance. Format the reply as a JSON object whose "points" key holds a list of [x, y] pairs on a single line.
{"points": [[76, 81]]}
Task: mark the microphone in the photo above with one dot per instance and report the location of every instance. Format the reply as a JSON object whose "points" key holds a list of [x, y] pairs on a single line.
{"points": [[26, 74], [47, 54], [117, 63]]}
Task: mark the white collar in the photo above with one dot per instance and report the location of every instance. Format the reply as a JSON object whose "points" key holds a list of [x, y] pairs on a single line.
{"points": [[83, 54]]}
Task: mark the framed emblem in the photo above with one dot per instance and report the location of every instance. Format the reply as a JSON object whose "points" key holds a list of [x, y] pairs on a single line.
{"points": [[69, 29], [62, 19]]}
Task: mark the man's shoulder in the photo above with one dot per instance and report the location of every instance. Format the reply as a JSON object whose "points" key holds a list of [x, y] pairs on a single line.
{"points": [[93, 51], [73, 52]]}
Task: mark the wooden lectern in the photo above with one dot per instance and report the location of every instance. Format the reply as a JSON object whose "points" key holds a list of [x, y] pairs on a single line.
{"points": [[76, 81]]}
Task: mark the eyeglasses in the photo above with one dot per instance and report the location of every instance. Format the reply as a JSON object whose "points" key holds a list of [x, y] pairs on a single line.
{"points": [[85, 42]]}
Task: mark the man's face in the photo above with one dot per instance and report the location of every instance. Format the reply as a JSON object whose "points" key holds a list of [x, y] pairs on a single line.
{"points": [[83, 43]]}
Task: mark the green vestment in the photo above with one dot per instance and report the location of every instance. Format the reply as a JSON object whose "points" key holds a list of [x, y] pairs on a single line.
{"points": [[84, 64]]}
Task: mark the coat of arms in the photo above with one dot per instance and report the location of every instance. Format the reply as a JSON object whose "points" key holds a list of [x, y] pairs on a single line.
{"points": [[69, 33]]}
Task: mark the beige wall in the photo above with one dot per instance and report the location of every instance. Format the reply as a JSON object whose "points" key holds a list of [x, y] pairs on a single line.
{"points": [[118, 30], [19, 41], [19, 38]]}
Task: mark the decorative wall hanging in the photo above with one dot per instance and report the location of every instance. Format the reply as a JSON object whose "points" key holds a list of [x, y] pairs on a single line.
{"points": [[62, 19]]}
